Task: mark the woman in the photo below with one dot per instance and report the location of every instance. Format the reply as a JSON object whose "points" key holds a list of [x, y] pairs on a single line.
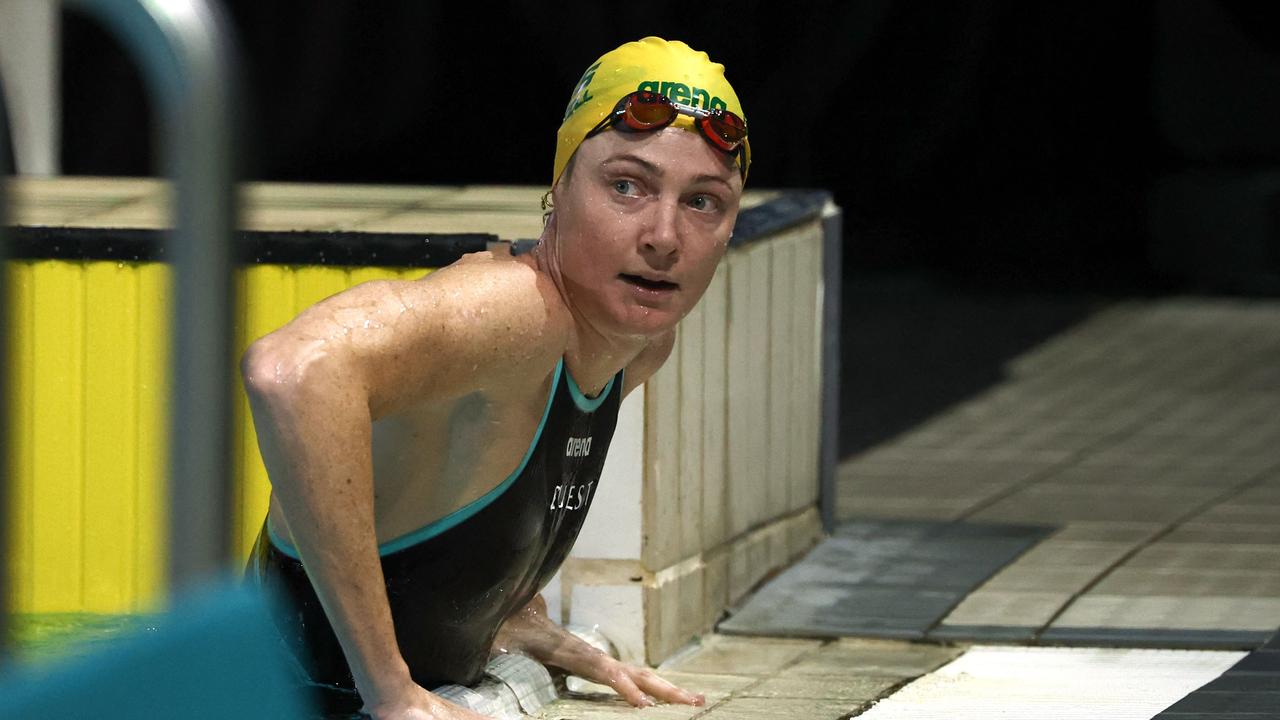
{"points": [[434, 445]]}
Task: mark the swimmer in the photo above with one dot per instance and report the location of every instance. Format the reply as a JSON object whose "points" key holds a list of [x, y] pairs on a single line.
{"points": [[433, 446]]}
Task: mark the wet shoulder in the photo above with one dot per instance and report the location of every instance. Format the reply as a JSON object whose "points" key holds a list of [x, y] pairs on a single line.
{"points": [[511, 310]]}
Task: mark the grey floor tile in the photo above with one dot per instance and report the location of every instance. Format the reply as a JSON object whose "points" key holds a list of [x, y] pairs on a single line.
{"points": [[854, 508], [1146, 475], [1234, 513], [719, 654], [1172, 612], [856, 688], [612, 709], [1078, 554], [1020, 608], [1264, 493], [1225, 533], [1213, 556], [781, 709], [872, 658], [1033, 577], [1066, 507], [922, 490], [712, 685], [1198, 582], [1121, 532]]}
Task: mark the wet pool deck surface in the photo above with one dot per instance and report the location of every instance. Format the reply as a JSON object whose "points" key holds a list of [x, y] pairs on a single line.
{"points": [[1143, 432]]}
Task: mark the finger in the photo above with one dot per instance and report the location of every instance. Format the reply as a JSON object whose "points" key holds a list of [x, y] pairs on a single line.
{"points": [[620, 680], [664, 690]]}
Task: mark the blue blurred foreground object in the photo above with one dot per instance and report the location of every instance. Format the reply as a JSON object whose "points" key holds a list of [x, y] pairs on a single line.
{"points": [[216, 655]]}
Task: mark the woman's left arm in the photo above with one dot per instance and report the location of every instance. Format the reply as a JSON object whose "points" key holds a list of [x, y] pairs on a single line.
{"points": [[530, 631]]}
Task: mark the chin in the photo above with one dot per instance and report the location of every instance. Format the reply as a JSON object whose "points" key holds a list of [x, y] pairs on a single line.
{"points": [[649, 322]]}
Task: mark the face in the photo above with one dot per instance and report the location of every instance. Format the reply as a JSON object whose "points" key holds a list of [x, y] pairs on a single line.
{"points": [[641, 221]]}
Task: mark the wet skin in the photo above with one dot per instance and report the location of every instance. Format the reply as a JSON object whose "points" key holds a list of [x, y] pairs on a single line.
{"points": [[392, 404]]}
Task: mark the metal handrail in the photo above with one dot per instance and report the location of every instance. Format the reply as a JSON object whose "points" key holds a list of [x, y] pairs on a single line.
{"points": [[4, 382], [183, 52]]}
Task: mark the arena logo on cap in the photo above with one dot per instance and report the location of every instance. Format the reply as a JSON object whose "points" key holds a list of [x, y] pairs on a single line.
{"points": [[684, 94]]}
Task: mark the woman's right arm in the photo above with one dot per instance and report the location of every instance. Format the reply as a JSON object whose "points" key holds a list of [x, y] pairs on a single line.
{"points": [[315, 387], [313, 428]]}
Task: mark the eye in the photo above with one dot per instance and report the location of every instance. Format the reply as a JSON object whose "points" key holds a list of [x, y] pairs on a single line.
{"points": [[624, 187], [705, 203]]}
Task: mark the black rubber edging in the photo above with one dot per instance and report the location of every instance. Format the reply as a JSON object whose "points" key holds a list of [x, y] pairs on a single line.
{"points": [[1249, 689], [1170, 638], [257, 247], [780, 213]]}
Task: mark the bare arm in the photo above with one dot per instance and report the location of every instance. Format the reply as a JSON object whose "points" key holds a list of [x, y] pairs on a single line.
{"points": [[316, 385]]}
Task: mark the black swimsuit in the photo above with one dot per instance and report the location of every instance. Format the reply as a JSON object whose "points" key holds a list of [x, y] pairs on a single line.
{"points": [[453, 582]]}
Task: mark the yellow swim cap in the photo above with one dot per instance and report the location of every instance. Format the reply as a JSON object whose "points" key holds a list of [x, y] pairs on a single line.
{"points": [[669, 68]]}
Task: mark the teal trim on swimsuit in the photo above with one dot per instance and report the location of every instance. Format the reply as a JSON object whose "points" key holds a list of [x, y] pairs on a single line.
{"points": [[584, 403], [463, 513]]}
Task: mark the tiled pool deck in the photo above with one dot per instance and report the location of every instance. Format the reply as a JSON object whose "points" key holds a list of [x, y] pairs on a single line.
{"points": [[1149, 435]]}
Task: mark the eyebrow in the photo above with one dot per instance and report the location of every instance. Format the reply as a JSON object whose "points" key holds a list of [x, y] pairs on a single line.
{"points": [[713, 178], [628, 157]]}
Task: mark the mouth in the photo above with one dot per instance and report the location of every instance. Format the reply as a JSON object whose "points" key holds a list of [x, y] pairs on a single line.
{"points": [[649, 283]]}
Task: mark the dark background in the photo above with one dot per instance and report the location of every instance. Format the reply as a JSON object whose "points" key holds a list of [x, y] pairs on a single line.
{"points": [[1002, 165]]}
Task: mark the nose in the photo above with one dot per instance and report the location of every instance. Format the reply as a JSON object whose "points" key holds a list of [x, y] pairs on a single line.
{"points": [[661, 243]]}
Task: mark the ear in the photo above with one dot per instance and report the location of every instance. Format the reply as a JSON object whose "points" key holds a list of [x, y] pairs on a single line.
{"points": [[549, 225]]}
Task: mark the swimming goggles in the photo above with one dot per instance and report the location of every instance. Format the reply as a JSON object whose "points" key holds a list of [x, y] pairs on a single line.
{"points": [[644, 110]]}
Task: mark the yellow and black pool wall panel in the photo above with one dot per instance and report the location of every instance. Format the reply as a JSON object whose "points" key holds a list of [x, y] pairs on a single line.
{"points": [[89, 337]]}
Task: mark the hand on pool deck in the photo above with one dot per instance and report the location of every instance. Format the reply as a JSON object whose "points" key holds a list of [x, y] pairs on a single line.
{"points": [[529, 630]]}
